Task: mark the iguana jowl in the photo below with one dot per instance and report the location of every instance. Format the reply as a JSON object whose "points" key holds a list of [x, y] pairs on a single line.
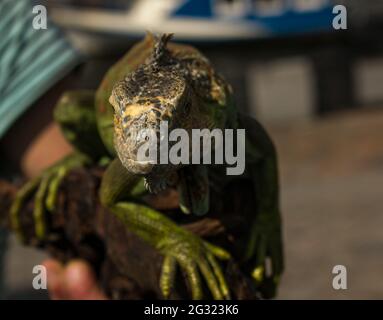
{"points": [[162, 81]]}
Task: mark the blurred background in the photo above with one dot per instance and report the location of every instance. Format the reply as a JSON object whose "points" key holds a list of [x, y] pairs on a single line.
{"points": [[317, 90]]}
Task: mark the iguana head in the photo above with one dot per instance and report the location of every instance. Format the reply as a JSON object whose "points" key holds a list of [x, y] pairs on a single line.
{"points": [[156, 91]]}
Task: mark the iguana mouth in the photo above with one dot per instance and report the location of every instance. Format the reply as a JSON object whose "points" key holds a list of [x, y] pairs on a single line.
{"points": [[141, 162], [138, 167]]}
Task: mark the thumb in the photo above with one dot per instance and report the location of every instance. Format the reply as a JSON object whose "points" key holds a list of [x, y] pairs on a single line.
{"points": [[81, 283]]}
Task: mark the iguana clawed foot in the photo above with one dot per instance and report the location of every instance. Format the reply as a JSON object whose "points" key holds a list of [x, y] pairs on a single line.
{"points": [[195, 257], [156, 184], [155, 187], [266, 244], [45, 188]]}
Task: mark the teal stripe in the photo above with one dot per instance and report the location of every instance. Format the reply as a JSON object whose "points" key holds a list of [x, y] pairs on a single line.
{"points": [[36, 66], [19, 30], [12, 38], [36, 43], [9, 9]]}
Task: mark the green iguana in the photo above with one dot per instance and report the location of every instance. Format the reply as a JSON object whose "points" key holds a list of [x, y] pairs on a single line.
{"points": [[155, 81]]}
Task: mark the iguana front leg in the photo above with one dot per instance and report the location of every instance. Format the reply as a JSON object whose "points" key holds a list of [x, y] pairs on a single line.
{"points": [[265, 236], [45, 188], [75, 114], [178, 245]]}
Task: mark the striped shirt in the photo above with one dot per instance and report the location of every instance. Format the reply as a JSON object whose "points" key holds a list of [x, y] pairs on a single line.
{"points": [[31, 60]]}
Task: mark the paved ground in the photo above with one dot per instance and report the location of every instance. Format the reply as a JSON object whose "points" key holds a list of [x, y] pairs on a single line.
{"points": [[332, 175]]}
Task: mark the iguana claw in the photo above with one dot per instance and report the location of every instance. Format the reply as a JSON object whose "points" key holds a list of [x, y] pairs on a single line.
{"points": [[45, 188], [154, 186], [195, 257], [265, 245]]}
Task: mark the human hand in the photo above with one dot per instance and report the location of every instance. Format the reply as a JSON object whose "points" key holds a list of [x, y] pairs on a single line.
{"points": [[73, 281]]}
